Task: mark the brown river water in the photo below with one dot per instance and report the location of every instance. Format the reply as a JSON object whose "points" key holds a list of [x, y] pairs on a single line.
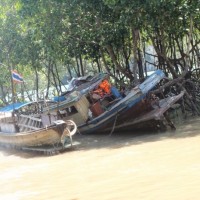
{"points": [[122, 166]]}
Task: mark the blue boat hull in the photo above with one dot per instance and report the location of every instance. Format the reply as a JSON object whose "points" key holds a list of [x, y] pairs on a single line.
{"points": [[125, 109]]}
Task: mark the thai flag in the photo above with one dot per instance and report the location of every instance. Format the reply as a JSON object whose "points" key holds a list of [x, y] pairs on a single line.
{"points": [[17, 77]]}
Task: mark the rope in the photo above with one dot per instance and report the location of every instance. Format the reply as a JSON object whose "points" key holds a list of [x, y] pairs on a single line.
{"points": [[113, 128]]}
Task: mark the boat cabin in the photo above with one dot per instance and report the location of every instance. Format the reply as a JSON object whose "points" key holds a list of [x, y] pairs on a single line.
{"points": [[83, 107], [75, 107]]}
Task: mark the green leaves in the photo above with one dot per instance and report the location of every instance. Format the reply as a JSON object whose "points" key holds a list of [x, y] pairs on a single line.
{"points": [[40, 31]]}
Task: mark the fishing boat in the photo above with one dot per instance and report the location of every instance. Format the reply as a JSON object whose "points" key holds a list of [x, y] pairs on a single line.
{"points": [[36, 133], [114, 112]]}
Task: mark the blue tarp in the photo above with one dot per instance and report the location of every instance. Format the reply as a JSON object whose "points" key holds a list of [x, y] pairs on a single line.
{"points": [[59, 98], [14, 106]]}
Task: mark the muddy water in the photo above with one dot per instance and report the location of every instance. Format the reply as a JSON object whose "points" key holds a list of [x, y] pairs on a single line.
{"points": [[121, 166]]}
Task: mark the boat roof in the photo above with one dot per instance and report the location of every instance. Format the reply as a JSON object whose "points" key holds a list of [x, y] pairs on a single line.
{"points": [[14, 106], [85, 84], [18, 105]]}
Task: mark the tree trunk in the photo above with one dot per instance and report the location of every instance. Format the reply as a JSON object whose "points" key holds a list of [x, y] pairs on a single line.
{"points": [[36, 83], [48, 80], [3, 94], [81, 66], [78, 68], [116, 63], [135, 37]]}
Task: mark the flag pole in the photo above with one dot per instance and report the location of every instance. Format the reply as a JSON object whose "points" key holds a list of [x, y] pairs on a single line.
{"points": [[12, 84], [12, 87]]}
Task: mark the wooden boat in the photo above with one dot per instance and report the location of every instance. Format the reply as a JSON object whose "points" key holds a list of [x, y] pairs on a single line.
{"points": [[117, 114], [34, 133], [147, 116]]}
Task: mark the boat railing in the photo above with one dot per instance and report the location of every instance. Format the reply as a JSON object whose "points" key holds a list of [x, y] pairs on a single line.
{"points": [[27, 123]]}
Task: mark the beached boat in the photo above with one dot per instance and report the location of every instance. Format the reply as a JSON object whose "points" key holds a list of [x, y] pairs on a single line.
{"points": [[36, 133], [117, 113]]}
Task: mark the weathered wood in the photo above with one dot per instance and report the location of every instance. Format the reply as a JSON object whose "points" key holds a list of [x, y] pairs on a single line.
{"points": [[27, 126], [31, 117], [43, 137], [27, 123]]}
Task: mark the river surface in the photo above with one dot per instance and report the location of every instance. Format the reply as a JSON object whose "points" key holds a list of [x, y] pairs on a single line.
{"points": [[122, 166]]}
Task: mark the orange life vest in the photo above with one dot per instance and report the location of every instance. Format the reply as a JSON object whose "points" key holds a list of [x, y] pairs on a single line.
{"points": [[105, 86]]}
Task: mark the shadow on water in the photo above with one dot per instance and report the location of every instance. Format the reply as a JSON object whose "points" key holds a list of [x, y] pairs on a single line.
{"points": [[30, 153], [17, 152], [187, 128]]}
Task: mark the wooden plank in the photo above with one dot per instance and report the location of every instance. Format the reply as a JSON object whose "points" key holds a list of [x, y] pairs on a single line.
{"points": [[47, 120], [27, 126], [23, 121], [31, 117], [30, 123], [27, 123]]}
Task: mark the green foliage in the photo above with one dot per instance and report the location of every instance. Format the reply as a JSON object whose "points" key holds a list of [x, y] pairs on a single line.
{"points": [[38, 35]]}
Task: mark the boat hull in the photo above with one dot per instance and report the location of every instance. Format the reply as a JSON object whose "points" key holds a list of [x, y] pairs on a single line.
{"points": [[56, 136], [45, 136], [140, 116]]}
